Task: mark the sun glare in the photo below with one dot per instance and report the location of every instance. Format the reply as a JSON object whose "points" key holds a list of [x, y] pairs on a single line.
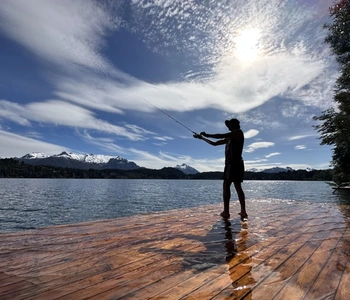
{"points": [[247, 45]]}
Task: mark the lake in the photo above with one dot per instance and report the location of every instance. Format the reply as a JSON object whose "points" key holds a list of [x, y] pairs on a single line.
{"points": [[33, 203]]}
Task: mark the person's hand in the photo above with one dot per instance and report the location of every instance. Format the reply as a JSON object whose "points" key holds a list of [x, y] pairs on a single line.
{"points": [[197, 136], [204, 133]]}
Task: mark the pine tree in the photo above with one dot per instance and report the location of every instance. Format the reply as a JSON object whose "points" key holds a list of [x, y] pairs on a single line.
{"points": [[335, 122]]}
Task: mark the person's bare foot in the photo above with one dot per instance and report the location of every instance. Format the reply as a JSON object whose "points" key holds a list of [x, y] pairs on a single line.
{"points": [[225, 215], [244, 216]]}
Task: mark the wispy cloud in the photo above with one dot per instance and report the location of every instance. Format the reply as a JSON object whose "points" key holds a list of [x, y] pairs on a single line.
{"points": [[60, 113], [233, 86], [251, 133], [300, 147], [254, 146], [13, 145], [107, 144], [60, 32], [272, 154], [163, 138], [13, 112], [299, 137]]}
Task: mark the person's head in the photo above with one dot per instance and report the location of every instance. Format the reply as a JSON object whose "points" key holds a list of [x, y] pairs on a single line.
{"points": [[232, 124]]}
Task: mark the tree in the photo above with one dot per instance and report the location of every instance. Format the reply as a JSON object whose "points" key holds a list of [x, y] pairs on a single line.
{"points": [[335, 122]]}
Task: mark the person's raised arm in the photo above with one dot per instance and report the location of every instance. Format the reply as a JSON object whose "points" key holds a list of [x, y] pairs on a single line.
{"points": [[217, 135], [216, 143]]}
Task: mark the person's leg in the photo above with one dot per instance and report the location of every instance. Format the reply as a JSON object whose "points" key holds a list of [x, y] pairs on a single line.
{"points": [[241, 198], [226, 193]]}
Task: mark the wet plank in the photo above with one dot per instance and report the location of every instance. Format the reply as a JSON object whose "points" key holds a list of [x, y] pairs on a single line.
{"points": [[286, 250]]}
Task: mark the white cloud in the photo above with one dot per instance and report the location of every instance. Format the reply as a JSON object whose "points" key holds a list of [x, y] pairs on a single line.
{"points": [[63, 32], [65, 114], [103, 143], [289, 110], [289, 40], [75, 36], [34, 135], [233, 89], [299, 137], [163, 138], [257, 145], [14, 145], [300, 147], [272, 154], [138, 130], [13, 112], [251, 133]]}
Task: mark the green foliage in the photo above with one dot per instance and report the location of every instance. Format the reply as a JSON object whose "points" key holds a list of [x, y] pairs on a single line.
{"points": [[335, 123], [339, 31], [11, 168]]}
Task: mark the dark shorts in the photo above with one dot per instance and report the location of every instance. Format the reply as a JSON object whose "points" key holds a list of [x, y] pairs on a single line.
{"points": [[234, 172]]}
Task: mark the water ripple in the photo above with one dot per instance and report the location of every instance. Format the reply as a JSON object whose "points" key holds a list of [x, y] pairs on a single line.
{"points": [[37, 203]]}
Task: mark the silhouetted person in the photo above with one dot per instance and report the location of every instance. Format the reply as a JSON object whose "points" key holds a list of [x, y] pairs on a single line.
{"points": [[234, 164]]}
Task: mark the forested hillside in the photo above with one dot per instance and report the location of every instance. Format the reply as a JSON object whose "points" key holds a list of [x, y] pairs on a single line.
{"points": [[11, 168]]}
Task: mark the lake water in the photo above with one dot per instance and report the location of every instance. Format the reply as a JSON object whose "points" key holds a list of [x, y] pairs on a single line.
{"points": [[33, 203]]}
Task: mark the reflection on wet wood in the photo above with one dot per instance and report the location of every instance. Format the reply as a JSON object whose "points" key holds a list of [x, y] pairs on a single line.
{"points": [[285, 251]]}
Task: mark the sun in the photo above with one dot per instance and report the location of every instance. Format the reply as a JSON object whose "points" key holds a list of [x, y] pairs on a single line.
{"points": [[247, 45]]}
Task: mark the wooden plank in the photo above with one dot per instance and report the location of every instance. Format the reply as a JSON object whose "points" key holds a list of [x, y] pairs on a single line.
{"points": [[300, 283], [266, 262], [193, 283], [271, 285], [343, 290], [210, 289], [331, 273], [120, 275], [147, 275], [132, 265]]}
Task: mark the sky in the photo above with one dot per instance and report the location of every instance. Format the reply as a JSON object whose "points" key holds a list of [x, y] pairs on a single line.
{"points": [[103, 77]]}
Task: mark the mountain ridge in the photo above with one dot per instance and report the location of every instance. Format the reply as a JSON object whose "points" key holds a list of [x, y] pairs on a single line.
{"points": [[79, 161], [89, 161], [99, 162], [14, 168]]}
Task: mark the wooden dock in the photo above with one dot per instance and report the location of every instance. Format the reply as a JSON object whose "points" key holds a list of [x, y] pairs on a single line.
{"points": [[286, 250]]}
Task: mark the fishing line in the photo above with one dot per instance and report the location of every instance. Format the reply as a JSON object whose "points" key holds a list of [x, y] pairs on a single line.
{"points": [[170, 116]]}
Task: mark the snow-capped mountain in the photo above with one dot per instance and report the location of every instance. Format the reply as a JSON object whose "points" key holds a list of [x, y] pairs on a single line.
{"points": [[89, 158], [79, 161], [34, 155], [254, 170], [278, 170], [272, 170], [186, 169]]}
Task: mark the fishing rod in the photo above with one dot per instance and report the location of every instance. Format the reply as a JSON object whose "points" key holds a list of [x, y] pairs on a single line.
{"points": [[171, 117]]}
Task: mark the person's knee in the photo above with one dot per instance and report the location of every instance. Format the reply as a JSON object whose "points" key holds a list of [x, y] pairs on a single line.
{"points": [[238, 188], [227, 183], [237, 185]]}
